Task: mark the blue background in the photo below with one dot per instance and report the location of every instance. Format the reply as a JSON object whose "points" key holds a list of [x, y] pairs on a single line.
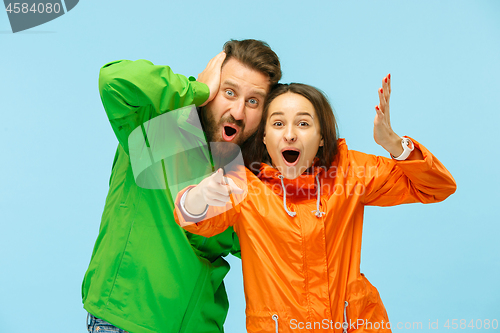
{"points": [[433, 262]]}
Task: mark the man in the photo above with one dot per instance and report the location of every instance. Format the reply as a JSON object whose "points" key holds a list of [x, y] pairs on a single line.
{"points": [[143, 276]]}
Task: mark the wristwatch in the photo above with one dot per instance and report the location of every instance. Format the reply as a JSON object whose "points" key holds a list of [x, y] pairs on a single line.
{"points": [[407, 149], [184, 210]]}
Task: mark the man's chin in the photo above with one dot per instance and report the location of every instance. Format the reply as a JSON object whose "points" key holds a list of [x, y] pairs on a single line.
{"points": [[224, 152]]}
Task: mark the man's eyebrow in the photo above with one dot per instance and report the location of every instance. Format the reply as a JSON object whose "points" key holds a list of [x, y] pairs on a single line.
{"points": [[231, 83], [259, 92]]}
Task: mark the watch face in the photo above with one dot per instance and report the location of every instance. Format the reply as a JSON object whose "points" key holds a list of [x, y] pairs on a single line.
{"points": [[409, 143]]}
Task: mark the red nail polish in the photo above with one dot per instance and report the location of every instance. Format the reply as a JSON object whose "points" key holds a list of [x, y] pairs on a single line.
{"points": [[389, 76], [385, 80], [377, 107], [381, 91]]}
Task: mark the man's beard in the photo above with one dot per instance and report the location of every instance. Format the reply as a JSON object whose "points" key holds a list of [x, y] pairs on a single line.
{"points": [[222, 151]]}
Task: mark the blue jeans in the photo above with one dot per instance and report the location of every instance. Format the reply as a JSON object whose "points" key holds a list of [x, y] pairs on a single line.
{"points": [[96, 325]]}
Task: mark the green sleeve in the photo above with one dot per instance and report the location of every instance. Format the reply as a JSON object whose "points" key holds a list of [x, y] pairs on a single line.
{"points": [[134, 92], [235, 249]]}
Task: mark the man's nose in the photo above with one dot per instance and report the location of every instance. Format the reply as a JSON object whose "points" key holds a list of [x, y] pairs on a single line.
{"points": [[238, 109]]}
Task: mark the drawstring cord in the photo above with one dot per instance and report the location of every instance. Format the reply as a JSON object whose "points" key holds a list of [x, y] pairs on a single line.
{"points": [[345, 325], [318, 212], [292, 214], [275, 318]]}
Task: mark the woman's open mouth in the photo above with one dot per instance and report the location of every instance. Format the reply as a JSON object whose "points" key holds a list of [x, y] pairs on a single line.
{"points": [[290, 156], [229, 132]]}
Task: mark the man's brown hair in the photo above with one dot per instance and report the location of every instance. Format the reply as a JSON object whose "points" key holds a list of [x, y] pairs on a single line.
{"points": [[256, 55]]}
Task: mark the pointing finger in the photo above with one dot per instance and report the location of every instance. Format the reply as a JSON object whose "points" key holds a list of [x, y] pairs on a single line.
{"points": [[219, 176], [233, 187]]}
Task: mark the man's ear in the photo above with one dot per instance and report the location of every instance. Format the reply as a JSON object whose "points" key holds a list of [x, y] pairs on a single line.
{"points": [[321, 143]]}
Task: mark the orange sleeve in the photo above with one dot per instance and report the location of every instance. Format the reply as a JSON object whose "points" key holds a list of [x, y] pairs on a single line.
{"points": [[388, 182]]}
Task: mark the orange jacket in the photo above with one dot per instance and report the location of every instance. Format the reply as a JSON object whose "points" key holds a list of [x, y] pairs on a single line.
{"points": [[302, 273]]}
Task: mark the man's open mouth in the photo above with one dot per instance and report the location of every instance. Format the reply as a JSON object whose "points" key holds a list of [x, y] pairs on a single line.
{"points": [[290, 156], [229, 132]]}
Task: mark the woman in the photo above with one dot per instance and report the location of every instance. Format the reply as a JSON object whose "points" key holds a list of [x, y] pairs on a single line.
{"points": [[300, 219]]}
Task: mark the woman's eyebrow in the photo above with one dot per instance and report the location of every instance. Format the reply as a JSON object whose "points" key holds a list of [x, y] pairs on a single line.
{"points": [[304, 114], [280, 113], [277, 113]]}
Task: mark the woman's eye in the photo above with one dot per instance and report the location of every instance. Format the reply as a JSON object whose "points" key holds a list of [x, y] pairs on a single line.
{"points": [[278, 123], [230, 93], [303, 124]]}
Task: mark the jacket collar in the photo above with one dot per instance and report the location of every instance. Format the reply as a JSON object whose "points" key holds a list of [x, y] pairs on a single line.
{"points": [[304, 185]]}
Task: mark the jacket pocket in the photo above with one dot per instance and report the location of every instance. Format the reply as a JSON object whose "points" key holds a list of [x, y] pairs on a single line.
{"points": [[365, 305]]}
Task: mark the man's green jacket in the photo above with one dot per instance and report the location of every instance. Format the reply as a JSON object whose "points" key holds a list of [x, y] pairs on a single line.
{"points": [[146, 273]]}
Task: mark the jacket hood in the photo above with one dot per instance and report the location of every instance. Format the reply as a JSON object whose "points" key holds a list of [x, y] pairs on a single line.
{"points": [[301, 186]]}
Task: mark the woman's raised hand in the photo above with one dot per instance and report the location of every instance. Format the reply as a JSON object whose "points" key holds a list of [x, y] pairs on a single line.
{"points": [[382, 130]]}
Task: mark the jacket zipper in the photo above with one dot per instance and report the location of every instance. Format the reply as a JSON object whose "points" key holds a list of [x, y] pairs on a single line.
{"points": [[345, 325], [275, 318]]}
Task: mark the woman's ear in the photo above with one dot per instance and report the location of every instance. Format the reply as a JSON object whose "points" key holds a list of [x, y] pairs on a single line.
{"points": [[264, 140], [321, 143]]}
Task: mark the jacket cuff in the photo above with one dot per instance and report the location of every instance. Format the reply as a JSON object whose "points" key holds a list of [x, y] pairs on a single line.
{"points": [[417, 165], [200, 90], [181, 218]]}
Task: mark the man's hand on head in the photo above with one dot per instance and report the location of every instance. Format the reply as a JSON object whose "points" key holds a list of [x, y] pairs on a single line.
{"points": [[211, 75]]}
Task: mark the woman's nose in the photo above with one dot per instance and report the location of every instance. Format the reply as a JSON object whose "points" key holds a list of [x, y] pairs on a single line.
{"points": [[290, 136]]}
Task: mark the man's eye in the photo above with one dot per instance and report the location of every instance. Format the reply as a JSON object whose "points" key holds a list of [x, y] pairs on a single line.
{"points": [[230, 93], [253, 101]]}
